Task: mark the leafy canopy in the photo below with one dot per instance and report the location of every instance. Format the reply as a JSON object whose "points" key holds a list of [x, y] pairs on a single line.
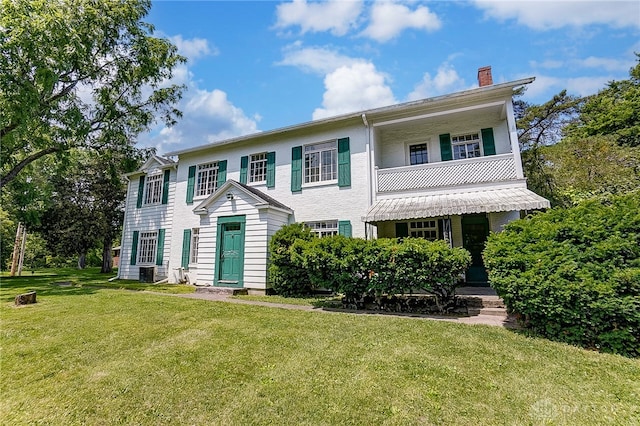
{"points": [[79, 73]]}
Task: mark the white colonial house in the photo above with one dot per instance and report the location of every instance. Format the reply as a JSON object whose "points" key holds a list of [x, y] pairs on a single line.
{"points": [[441, 168]]}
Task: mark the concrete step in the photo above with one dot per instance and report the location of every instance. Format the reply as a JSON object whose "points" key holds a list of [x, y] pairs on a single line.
{"points": [[483, 301], [497, 312], [229, 291]]}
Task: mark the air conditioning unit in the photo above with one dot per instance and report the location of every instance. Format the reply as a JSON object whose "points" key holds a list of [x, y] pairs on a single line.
{"points": [[147, 274]]}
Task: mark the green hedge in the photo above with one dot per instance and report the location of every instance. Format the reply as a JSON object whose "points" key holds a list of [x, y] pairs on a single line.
{"points": [[359, 268], [285, 277], [573, 275]]}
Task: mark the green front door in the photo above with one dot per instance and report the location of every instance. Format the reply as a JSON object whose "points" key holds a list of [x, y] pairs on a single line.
{"points": [[230, 258], [475, 230]]}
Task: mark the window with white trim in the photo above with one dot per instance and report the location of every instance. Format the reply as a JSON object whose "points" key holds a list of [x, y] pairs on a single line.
{"points": [[147, 245], [427, 229], [207, 178], [325, 228], [195, 239], [258, 167], [321, 162], [153, 189], [418, 154], [466, 146]]}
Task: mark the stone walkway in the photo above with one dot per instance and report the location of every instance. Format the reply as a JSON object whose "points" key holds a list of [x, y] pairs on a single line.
{"points": [[494, 320]]}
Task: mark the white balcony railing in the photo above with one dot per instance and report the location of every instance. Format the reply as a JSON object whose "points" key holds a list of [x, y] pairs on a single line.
{"points": [[494, 168]]}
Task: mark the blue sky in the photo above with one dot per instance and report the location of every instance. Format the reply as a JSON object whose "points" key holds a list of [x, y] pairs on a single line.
{"points": [[261, 65]]}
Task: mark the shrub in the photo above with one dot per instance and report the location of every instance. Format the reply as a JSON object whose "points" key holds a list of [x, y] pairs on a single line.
{"points": [[418, 264], [285, 277], [338, 263], [573, 274], [359, 269]]}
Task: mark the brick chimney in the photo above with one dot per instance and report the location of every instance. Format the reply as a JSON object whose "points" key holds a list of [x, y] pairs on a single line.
{"points": [[484, 76]]}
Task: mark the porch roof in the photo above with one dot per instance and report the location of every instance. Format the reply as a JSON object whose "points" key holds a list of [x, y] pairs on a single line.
{"points": [[479, 201]]}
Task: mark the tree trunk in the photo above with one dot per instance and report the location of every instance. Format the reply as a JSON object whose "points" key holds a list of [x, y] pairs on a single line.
{"points": [[82, 260], [107, 260]]}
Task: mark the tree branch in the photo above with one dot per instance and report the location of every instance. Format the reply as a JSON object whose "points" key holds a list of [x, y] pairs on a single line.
{"points": [[30, 159]]}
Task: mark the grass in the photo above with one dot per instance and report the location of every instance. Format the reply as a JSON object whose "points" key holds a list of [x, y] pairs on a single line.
{"points": [[91, 355], [315, 301], [51, 281]]}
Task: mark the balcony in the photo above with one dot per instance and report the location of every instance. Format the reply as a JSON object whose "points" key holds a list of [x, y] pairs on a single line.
{"points": [[494, 168]]}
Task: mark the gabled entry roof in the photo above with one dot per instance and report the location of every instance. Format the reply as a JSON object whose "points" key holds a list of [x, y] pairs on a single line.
{"points": [[261, 199], [479, 201]]}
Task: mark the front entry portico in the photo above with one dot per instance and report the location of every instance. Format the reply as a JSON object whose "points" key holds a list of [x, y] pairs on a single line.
{"points": [[230, 251]]}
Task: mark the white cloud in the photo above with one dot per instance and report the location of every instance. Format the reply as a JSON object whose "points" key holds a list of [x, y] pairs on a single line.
{"points": [[544, 86], [194, 48], [336, 16], [389, 19], [544, 15], [585, 86], [207, 115], [446, 80], [607, 64], [352, 88], [315, 59]]}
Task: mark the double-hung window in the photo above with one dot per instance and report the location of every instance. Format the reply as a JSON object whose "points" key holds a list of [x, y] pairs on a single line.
{"points": [[321, 162], [153, 189], [466, 146], [147, 246], [195, 239], [418, 154], [258, 167], [325, 228], [207, 178]]}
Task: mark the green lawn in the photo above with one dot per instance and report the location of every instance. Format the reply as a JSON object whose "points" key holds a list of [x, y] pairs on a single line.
{"points": [[89, 355]]}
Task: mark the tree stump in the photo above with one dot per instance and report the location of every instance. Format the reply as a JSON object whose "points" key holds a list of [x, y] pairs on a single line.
{"points": [[26, 298]]}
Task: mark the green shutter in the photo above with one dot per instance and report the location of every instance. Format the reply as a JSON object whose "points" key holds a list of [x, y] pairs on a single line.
{"points": [[222, 173], [186, 248], [140, 192], [271, 169], [445, 147], [344, 228], [488, 142], [402, 229], [191, 184], [244, 165], [165, 187], [134, 248], [344, 162], [296, 169], [160, 248]]}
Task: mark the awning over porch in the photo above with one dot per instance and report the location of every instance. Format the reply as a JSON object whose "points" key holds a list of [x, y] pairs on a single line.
{"points": [[485, 201]]}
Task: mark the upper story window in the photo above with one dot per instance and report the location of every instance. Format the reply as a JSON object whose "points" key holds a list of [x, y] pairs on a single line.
{"points": [[207, 178], [258, 167], [321, 162], [418, 154], [153, 189], [466, 146], [147, 246], [324, 228]]}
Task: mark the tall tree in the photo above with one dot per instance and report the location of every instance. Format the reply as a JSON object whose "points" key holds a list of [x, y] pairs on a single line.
{"points": [[86, 206], [584, 167], [615, 110], [79, 73], [540, 126]]}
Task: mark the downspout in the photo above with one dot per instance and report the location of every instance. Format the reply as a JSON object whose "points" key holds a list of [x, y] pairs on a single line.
{"points": [[369, 171]]}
